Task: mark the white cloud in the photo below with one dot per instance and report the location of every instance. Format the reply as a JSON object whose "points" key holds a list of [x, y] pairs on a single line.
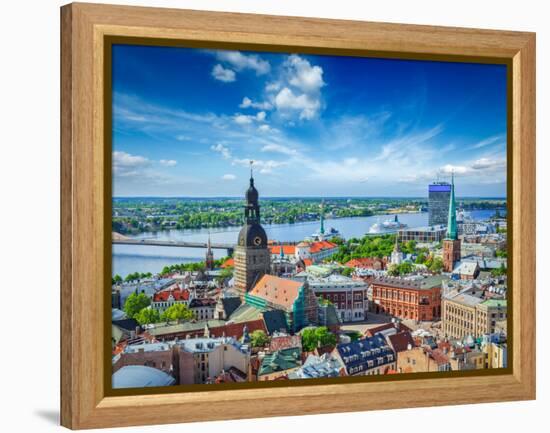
{"points": [[243, 119], [223, 150], [241, 61], [183, 138], [229, 177], [266, 128], [264, 167], [128, 165], [222, 74], [307, 78], [306, 105], [279, 148], [488, 141], [488, 164], [272, 87], [247, 119], [249, 103], [168, 162]]}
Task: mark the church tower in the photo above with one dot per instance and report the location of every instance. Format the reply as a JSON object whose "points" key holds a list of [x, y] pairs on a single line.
{"points": [[451, 243], [209, 262], [252, 256], [396, 255]]}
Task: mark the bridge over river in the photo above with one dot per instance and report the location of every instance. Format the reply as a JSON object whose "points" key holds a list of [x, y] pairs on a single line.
{"points": [[121, 240]]}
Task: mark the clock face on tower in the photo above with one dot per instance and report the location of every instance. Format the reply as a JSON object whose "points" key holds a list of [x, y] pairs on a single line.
{"points": [[257, 241]]}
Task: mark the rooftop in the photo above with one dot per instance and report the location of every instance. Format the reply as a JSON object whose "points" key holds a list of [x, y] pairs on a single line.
{"points": [[279, 291], [424, 283], [140, 376], [280, 360]]}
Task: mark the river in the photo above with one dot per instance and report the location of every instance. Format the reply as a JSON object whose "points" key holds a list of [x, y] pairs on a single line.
{"points": [[145, 258]]}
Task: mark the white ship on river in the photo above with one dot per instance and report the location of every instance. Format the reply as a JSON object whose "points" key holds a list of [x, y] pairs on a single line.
{"points": [[389, 226]]}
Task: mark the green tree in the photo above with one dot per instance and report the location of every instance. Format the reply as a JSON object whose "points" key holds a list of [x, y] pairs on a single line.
{"points": [[147, 316], [117, 279], [177, 312], [258, 338], [135, 303], [313, 337], [225, 274], [346, 272], [499, 271], [436, 265]]}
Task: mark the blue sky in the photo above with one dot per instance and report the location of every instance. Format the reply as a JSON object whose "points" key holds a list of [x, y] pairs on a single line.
{"points": [[186, 122]]}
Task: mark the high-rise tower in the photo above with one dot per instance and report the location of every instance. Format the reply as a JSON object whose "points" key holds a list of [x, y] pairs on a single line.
{"points": [[252, 257], [451, 243], [438, 203]]}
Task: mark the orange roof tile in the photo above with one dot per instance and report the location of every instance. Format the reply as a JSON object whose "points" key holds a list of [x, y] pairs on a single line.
{"points": [[322, 245], [279, 291], [229, 263], [288, 250], [177, 293]]}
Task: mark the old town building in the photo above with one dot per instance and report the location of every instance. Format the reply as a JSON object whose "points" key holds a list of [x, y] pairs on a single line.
{"points": [[467, 315], [407, 298]]}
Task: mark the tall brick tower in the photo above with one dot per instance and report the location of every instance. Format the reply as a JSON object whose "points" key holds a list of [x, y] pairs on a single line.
{"points": [[451, 243], [252, 255]]}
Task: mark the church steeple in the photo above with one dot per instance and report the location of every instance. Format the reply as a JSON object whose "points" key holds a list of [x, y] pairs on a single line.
{"points": [[452, 231], [252, 208]]}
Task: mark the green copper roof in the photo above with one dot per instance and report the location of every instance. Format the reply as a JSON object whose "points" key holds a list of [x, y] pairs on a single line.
{"points": [[452, 231], [280, 360]]}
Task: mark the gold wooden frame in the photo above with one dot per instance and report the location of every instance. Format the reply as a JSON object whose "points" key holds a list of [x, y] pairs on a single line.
{"points": [[85, 222]]}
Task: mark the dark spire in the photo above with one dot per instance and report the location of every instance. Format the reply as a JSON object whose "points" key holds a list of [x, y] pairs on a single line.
{"points": [[252, 208]]}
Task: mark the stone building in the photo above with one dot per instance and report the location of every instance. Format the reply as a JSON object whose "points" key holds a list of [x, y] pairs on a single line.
{"points": [[467, 315], [252, 255], [406, 298]]}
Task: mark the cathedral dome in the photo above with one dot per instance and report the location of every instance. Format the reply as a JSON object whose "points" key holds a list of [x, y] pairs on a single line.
{"points": [[252, 235]]}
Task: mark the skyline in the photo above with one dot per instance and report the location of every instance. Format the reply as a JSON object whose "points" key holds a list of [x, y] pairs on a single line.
{"points": [[316, 126]]}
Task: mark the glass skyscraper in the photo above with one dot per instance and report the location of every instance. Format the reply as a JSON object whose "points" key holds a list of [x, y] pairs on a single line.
{"points": [[439, 194]]}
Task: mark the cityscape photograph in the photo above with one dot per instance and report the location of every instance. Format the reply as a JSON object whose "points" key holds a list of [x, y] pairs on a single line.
{"points": [[278, 217]]}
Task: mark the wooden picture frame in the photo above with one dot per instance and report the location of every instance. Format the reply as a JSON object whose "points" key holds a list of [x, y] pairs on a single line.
{"points": [[85, 216]]}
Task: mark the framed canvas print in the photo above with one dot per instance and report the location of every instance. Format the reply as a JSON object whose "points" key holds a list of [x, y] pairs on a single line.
{"points": [[260, 212]]}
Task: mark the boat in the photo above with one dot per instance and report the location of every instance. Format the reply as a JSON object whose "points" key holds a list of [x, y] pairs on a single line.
{"points": [[388, 226]]}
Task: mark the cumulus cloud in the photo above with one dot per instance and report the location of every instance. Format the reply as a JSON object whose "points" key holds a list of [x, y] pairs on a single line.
{"points": [[168, 162], [298, 91], [127, 165], [249, 103], [306, 105], [222, 74], [240, 61], [229, 177], [247, 119], [221, 149], [307, 78]]}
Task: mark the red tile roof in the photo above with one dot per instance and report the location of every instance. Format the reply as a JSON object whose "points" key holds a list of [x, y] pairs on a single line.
{"points": [[288, 250], [307, 262], [229, 263], [177, 293], [285, 342], [401, 341], [366, 262], [321, 246], [401, 328]]}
